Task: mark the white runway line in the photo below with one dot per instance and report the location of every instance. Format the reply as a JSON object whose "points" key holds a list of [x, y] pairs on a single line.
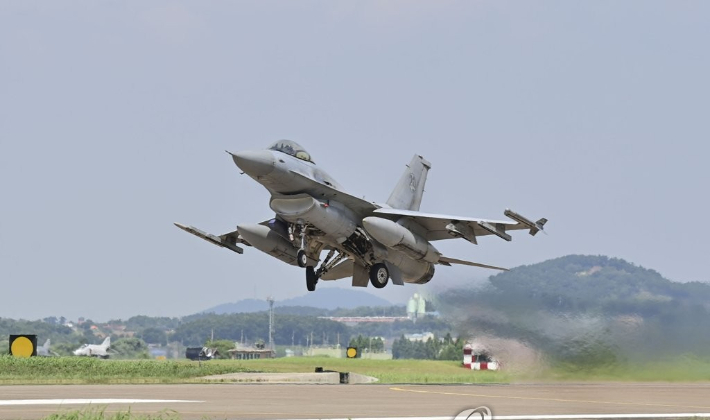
{"points": [[542, 417], [606, 416], [59, 401]]}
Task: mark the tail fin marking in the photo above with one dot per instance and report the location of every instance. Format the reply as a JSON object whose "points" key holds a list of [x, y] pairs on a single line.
{"points": [[407, 195]]}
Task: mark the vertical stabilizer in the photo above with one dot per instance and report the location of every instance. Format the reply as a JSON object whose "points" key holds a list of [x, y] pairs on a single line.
{"points": [[107, 342], [407, 195]]}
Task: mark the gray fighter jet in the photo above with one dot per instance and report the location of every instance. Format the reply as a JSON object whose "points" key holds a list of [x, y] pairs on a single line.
{"points": [[45, 351], [369, 242]]}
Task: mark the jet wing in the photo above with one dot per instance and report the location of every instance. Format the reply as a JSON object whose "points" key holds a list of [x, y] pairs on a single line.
{"points": [[358, 205], [228, 240], [442, 226]]}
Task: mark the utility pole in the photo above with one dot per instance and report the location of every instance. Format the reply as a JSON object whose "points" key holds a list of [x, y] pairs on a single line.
{"points": [[271, 301]]}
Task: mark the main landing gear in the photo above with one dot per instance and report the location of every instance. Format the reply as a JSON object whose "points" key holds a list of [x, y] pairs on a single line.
{"points": [[314, 274], [311, 278], [379, 275]]}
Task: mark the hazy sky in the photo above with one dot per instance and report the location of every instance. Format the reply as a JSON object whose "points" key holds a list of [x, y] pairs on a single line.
{"points": [[114, 118]]}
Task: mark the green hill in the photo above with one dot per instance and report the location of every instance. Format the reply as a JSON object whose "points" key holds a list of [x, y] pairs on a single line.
{"points": [[589, 310]]}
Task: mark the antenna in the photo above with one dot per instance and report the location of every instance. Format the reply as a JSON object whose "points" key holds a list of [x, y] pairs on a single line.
{"points": [[271, 301]]}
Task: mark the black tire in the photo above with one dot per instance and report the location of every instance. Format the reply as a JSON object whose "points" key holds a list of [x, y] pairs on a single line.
{"points": [[379, 275], [311, 278], [301, 258]]}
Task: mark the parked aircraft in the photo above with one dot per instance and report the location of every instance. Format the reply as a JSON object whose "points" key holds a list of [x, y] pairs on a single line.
{"points": [[96, 350], [45, 351], [369, 242]]}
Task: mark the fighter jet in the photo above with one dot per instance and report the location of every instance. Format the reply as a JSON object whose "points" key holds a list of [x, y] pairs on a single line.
{"points": [[45, 351], [369, 242], [95, 350]]}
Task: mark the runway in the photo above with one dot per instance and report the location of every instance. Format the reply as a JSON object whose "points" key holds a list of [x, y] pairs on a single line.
{"points": [[248, 401]]}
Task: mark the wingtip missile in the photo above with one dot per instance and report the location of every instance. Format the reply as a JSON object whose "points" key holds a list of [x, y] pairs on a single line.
{"points": [[535, 227], [215, 240]]}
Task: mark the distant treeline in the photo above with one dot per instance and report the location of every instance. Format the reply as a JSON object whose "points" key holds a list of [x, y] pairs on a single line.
{"points": [[296, 330], [433, 348], [292, 326]]}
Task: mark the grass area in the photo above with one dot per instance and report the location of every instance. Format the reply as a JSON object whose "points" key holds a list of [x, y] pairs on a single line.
{"points": [[387, 371], [100, 414], [89, 370], [84, 370], [683, 369]]}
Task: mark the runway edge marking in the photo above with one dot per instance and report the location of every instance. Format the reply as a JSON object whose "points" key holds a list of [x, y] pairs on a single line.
{"points": [[540, 417], [82, 401]]}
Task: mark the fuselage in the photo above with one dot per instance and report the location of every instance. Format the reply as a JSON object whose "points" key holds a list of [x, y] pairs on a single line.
{"points": [[288, 173], [91, 350], [276, 171]]}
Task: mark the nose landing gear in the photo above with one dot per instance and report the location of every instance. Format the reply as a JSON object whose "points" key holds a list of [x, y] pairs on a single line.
{"points": [[302, 258]]}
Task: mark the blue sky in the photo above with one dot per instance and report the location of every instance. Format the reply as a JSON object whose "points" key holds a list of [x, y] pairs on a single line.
{"points": [[114, 118]]}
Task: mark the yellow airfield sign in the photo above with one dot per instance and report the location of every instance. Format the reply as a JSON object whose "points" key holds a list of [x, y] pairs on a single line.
{"points": [[351, 352], [23, 345]]}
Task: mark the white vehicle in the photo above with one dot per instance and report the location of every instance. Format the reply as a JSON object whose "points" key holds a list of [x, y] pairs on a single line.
{"points": [[369, 242]]}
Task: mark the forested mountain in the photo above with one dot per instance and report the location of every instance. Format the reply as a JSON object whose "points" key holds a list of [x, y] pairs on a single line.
{"points": [[253, 327], [587, 309], [325, 298]]}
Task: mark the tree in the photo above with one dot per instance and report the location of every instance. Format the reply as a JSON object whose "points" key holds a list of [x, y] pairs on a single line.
{"points": [[154, 336], [222, 346], [129, 348]]}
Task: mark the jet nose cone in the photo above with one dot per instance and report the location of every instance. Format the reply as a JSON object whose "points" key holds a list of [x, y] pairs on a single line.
{"points": [[255, 162]]}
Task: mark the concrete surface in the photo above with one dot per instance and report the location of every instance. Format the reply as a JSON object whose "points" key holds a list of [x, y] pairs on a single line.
{"points": [[291, 378], [256, 401]]}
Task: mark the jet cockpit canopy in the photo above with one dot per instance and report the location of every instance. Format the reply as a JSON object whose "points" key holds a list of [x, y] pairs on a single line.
{"points": [[291, 148]]}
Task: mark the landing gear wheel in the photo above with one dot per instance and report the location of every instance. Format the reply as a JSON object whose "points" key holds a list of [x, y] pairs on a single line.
{"points": [[379, 275], [301, 258], [311, 278]]}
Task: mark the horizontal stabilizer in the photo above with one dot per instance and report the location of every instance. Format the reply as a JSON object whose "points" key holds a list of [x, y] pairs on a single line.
{"points": [[228, 240], [449, 261]]}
